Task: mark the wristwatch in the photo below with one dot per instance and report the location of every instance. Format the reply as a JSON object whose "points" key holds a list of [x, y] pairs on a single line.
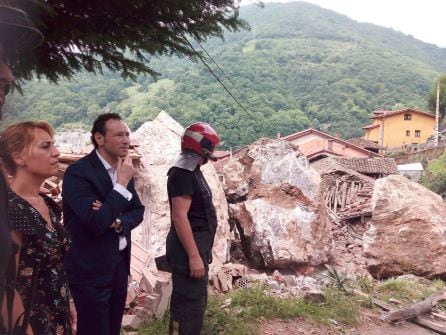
{"points": [[118, 227]]}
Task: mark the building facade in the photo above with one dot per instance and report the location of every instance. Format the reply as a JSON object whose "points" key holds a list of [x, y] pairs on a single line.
{"points": [[392, 129], [315, 144]]}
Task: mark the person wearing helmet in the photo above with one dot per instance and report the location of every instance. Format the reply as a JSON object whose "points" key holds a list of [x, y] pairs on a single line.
{"points": [[193, 226]]}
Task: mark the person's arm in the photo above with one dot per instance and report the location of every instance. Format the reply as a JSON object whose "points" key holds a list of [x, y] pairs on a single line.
{"points": [[134, 213], [79, 193], [17, 308], [180, 207]]}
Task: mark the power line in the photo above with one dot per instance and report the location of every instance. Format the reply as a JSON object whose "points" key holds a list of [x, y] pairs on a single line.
{"points": [[224, 74], [212, 59], [218, 79], [228, 79]]}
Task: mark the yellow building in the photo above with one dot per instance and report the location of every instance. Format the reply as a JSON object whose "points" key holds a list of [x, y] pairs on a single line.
{"points": [[392, 129]]}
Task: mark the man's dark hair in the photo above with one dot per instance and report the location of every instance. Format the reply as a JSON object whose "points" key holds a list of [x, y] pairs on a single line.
{"points": [[99, 125]]}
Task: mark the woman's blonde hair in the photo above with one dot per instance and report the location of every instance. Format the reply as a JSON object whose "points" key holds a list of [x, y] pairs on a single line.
{"points": [[19, 137]]}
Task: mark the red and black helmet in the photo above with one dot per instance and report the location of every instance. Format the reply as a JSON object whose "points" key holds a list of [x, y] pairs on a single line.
{"points": [[200, 138]]}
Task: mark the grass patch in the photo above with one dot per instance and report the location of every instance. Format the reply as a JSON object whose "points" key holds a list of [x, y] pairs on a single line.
{"points": [[220, 320], [407, 291], [365, 284], [156, 326], [239, 312], [340, 307], [248, 306]]}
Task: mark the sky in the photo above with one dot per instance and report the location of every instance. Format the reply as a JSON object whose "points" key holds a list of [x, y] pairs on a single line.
{"points": [[425, 20]]}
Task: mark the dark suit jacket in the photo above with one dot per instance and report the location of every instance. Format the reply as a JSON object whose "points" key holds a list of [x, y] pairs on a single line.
{"points": [[93, 254]]}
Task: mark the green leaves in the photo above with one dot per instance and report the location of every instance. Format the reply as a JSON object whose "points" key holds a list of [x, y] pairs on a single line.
{"points": [[117, 34], [435, 176], [432, 98], [300, 66]]}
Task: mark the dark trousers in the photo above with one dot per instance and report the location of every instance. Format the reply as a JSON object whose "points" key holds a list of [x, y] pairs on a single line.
{"points": [[187, 304], [100, 309]]}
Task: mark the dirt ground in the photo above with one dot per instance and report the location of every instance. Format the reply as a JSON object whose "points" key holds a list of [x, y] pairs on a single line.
{"points": [[369, 324]]}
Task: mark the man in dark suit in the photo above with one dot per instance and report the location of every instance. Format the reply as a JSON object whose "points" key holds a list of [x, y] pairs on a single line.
{"points": [[101, 207]]}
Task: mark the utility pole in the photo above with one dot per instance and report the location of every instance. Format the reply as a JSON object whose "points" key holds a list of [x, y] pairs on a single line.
{"points": [[437, 114]]}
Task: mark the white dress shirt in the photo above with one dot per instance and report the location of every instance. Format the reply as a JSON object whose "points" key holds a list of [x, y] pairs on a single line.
{"points": [[113, 173]]}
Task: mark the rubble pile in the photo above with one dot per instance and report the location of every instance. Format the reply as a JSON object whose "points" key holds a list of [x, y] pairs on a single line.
{"points": [[348, 255], [228, 275], [288, 285], [147, 298], [275, 206], [347, 193], [233, 276], [348, 197]]}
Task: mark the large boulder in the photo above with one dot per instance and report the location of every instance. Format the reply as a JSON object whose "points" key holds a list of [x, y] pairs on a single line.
{"points": [[407, 232], [275, 204], [159, 142]]}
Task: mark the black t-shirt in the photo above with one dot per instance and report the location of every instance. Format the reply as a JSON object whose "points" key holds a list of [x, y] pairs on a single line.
{"points": [[182, 182]]}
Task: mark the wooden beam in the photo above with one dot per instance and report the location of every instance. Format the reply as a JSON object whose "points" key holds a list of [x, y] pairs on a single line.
{"points": [[419, 320], [414, 310]]}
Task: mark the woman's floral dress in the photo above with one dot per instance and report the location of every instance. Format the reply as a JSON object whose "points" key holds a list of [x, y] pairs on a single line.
{"points": [[50, 314]]}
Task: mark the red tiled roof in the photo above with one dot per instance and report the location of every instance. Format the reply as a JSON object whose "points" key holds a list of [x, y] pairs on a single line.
{"points": [[222, 160], [378, 165], [363, 143], [327, 136], [323, 153], [383, 114], [371, 126]]}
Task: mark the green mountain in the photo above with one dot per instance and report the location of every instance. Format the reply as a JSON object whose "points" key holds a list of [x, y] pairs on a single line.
{"points": [[300, 66]]}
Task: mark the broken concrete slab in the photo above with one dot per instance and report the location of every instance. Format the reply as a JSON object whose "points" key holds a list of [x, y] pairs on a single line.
{"points": [[163, 305], [131, 322], [151, 302], [148, 280]]}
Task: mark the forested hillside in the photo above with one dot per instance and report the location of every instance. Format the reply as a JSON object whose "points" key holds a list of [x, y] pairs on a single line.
{"points": [[300, 66]]}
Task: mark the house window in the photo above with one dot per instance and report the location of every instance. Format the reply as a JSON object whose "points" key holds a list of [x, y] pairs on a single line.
{"points": [[407, 117], [417, 133], [407, 132]]}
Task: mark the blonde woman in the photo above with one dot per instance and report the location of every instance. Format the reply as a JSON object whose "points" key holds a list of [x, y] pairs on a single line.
{"points": [[28, 156]]}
